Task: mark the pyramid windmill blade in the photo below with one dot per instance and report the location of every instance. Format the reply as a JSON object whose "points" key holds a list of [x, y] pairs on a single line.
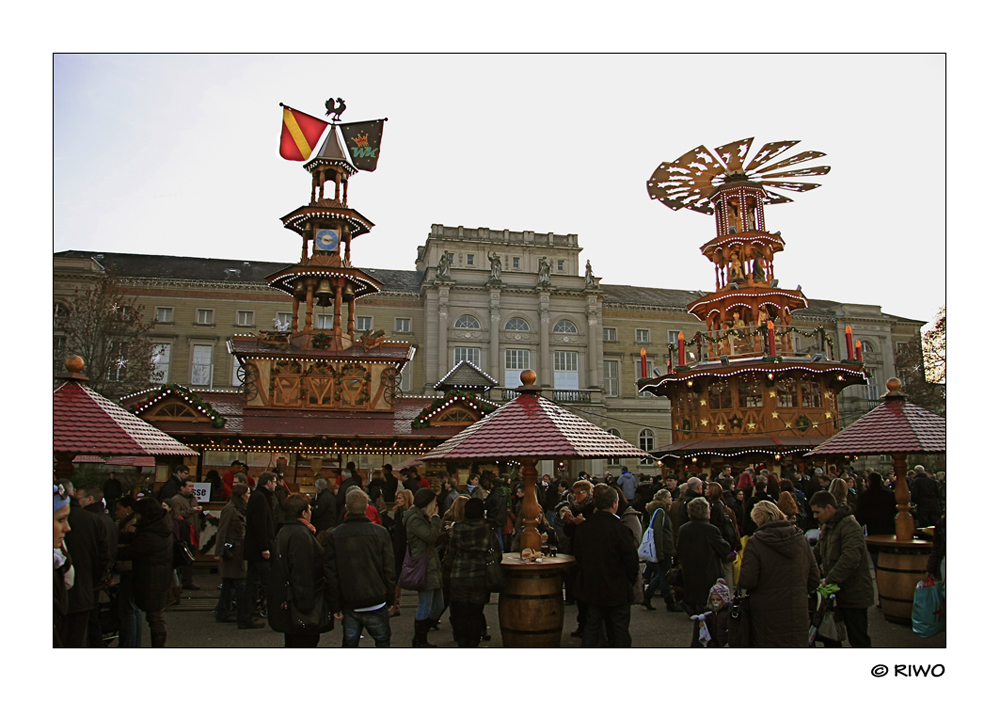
{"points": [[774, 198], [792, 185], [734, 153], [792, 160], [768, 151], [800, 173], [687, 181]]}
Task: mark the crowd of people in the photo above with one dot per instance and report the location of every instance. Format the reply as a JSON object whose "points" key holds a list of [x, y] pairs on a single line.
{"points": [[299, 563]]}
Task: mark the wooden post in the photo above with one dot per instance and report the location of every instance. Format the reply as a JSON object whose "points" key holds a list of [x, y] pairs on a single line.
{"points": [[904, 520], [530, 509], [64, 466]]}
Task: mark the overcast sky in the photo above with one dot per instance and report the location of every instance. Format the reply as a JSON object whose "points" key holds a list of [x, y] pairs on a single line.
{"points": [[177, 155]]}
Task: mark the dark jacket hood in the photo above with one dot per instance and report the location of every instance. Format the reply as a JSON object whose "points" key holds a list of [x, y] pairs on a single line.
{"points": [[160, 525], [781, 537]]}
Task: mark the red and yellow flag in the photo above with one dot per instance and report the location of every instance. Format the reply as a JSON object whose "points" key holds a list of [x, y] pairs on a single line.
{"points": [[299, 134]]}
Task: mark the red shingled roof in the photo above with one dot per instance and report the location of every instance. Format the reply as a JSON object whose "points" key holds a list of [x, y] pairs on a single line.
{"points": [[532, 426], [895, 426], [87, 422]]}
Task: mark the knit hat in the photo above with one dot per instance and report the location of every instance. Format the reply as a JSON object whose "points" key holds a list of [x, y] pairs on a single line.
{"points": [[59, 498], [721, 590], [424, 497]]}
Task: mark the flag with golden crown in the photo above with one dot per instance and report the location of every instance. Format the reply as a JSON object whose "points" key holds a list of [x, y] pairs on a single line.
{"points": [[363, 139], [299, 134]]}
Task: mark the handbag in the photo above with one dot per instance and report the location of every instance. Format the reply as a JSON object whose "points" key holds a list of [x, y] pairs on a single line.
{"points": [[316, 620], [183, 556], [494, 571], [647, 547], [739, 621], [675, 577], [413, 576], [228, 552], [928, 608]]}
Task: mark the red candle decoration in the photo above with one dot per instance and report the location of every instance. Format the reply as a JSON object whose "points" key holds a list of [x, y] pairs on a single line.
{"points": [[680, 350], [857, 351], [770, 338], [642, 353], [850, 343]]}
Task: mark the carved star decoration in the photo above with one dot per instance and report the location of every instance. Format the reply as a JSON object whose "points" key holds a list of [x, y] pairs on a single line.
{"points": [[771, 393], [702, 402], [751, 425], [704, 422], [720, 427], [774, 415], [828, 415], [788, 425]]}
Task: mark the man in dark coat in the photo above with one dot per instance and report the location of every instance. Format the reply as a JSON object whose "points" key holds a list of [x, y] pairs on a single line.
{"points": [[324, 511], [389, 484], [701, 549], [843, 560], [348, 477], [877, 507], [87, 545], [91, 499], [608, 569], [925, 493], [778, 571], [151, 549], [496, 509], [260, 538], [360, 570], [281, 491], [174, 482], [112, 489]]}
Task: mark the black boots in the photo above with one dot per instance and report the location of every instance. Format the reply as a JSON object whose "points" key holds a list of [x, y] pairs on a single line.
{"points": [[647, 604], [159, 639], [420, 629]]}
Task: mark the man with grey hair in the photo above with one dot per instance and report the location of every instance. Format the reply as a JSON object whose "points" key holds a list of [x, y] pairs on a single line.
{"points": [[695, 488], [360, 571], [324, 511], [925, 493]]}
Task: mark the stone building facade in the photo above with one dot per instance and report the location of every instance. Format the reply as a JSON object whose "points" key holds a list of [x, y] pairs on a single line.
{"points": [[503, 300]]}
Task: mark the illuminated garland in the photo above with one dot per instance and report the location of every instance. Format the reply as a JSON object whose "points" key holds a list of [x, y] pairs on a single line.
{"points": [[218, 421], [423, 420], [704, 337]]}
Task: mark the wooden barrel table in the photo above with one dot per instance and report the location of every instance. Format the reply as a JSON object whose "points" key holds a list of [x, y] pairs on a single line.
{"points": [[531, 604], [901, 565]]}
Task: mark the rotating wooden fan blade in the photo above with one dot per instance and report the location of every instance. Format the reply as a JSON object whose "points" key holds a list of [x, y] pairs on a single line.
{"points": [[734, 153], [774, 198], [792, 160], [792, 185], [686, 182], [768, 151], [800, 173]]}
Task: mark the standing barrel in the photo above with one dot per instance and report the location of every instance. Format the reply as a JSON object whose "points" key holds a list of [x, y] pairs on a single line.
{"points": [[901, 565], [531, 604]]}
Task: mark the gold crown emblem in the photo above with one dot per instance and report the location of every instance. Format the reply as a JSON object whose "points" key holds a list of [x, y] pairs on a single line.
{"points": [[360, 140]]}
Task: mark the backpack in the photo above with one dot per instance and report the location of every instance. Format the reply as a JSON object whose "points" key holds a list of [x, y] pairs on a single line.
{"points": [[647, 547], [729, 531]]}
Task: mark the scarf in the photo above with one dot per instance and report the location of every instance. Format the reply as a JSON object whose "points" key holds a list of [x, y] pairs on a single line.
{"points": [[306, 522]]}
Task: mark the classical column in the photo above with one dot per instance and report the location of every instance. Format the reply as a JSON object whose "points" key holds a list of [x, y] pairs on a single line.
{"points": [[544, 363], [594, 344], [495, 334], [443, 366]]}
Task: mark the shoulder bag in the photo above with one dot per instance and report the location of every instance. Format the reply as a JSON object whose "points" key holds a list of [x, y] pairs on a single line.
{"points": [[494, 571], [739, 621], [413, 576], [647, 547]]}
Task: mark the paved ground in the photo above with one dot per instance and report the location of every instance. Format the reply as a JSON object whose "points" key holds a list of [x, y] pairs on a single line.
{"points": [[191, 624]]}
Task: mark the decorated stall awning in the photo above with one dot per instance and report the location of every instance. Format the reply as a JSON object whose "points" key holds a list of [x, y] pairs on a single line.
{"points": [[531, 426], [895, 426], [85, 422], [730, 448]]}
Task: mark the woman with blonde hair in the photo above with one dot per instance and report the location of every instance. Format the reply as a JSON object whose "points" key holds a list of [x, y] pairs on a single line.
{"points": [[838, 488], [778, 571], [394, 523]]}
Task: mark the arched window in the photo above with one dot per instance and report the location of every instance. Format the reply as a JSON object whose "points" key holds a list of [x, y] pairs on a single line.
{"points": [[516, 324], [614, 461], [59, 309], [565, 327], [866, 347], [467, 321], [646, 441]]}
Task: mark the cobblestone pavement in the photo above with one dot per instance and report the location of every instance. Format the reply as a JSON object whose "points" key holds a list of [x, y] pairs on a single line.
{"points": [[192, 624]]}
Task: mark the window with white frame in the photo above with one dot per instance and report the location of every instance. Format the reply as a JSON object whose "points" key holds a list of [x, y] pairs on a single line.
{"points": [[642, 336], [517, 324], [362, 324], [285, 319], [470, 259], [610, 334], [403, 325], [647, 439], [472, 355], [515, 262], [515, 361], [639, 374], [564, 326], [161, 363], [59, 353], [560, 265], [201, 364], [244, 318], [611, 379], [322, 321], [567, 376], [205, 316], [614, 461], [406, 378], [467, 321], [164, 315], [119, 359], [451, 259], [234, 380], [673, 337]]}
